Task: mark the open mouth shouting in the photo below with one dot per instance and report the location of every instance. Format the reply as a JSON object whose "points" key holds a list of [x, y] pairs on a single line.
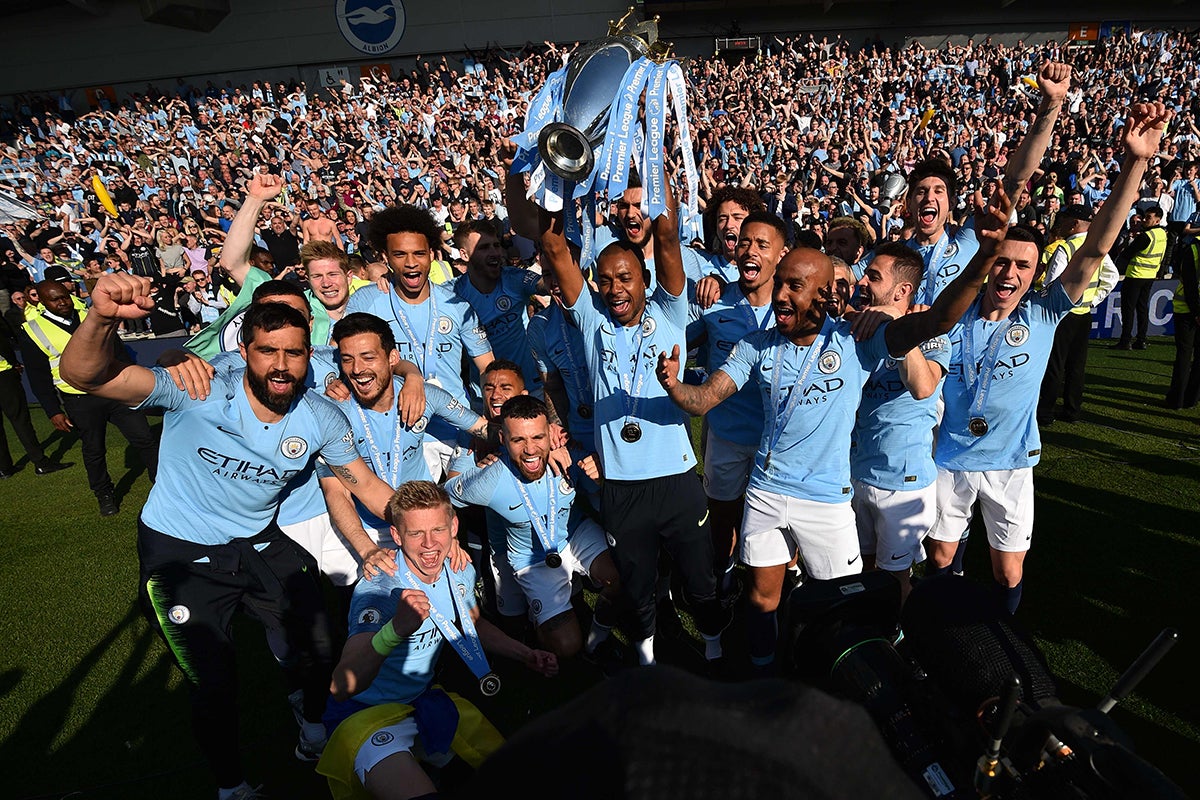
{"points": [[928, 216], [532, 465], [785, 315], [1004, 291], [730, 239], [410, 279], [750, 269], [636, 229], [281, 382], [430, 559], [621, 308]]}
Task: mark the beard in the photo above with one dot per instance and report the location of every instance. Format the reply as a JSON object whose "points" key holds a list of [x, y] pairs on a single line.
{"points": [[277, 403]]}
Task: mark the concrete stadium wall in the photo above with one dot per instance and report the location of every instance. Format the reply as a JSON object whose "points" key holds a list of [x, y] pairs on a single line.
{"points": [[67, 48]]}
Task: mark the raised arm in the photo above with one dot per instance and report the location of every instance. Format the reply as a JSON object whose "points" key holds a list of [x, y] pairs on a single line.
{"points": [[364, 653], [235, 253], [556, 255], [522, 212], [1142, 132], [668, 258], [1054, 79], [89, 363], [909, 331]]}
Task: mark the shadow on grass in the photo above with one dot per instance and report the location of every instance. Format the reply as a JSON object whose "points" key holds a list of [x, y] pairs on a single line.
{"points": [[137, 739], [10, 680], [1104, 580]]}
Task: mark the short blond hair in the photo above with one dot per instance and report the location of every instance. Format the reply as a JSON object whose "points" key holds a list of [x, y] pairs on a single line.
{"points": [[417, 496], [315, 251]]}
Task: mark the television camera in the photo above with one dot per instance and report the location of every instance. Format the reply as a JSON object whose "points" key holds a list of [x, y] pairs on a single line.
{"points": [[965, 700]]}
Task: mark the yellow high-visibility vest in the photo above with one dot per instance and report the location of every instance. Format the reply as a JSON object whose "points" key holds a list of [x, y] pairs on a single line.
{"points": [[1147, 262], [1071, 244], [52, 340]]}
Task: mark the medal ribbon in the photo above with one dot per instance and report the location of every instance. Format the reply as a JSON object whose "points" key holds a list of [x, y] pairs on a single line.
{"points": [[546, 528], [744, 304], [978, 371], [465, 642], [933, 266], [393, 461], [428, 364], [810, 358], [631, 382]]}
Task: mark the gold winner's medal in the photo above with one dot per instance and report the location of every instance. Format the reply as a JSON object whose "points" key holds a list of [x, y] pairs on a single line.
{"points": [[490, 684]]}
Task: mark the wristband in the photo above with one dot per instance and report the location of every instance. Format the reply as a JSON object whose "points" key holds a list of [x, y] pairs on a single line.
{"points": [[386, 640]]}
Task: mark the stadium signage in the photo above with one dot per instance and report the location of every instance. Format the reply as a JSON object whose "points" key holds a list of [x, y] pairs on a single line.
{"points": [[371, 26]]}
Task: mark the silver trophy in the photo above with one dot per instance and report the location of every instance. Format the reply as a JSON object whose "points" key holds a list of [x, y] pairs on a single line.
{"points": [[891, 185], [570, 147]]}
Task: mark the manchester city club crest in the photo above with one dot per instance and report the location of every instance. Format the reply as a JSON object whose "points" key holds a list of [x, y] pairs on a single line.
{"points": [[179, 614], [371, 26], [231, 333], [648, 326], [564, 486], [889, 363], [293, 447], [829, 362], [1017, 335], [503, 302], [380, 738], [419, 425], [445, 325]]}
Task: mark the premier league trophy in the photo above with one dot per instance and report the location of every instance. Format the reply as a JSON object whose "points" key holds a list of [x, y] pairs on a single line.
{"points": [[586, 128]]}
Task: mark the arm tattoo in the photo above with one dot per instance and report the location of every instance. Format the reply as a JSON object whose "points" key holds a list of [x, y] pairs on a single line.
{"points": [[697, 400], [345, 474]]}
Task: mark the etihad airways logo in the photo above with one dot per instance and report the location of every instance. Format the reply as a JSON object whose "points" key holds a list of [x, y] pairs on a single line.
{"points": [[243, 470]]}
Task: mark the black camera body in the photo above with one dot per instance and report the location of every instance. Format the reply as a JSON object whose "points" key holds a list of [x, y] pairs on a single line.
{"points": [[935, 693]]}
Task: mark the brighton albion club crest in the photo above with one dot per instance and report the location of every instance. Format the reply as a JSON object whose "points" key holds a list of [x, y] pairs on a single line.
{"points": [[371, 26]]}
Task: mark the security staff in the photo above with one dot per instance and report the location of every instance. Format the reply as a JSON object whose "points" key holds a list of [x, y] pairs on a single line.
{"points": [[12, 402], [1185, 376], [1065, 371], [44, 338], [1144, 256]]}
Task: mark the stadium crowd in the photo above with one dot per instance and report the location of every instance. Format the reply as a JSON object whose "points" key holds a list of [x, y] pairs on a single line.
{"points": [[830, 323]]}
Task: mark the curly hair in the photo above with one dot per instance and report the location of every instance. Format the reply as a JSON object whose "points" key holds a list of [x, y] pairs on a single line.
{"points": [[402, 219]]}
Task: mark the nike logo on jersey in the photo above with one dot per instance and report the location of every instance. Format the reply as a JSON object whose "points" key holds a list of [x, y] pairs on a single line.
{"points": [[850, 561], [703, 520], [514, 508], [722, 320], [226, 430], [898, 556]]}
